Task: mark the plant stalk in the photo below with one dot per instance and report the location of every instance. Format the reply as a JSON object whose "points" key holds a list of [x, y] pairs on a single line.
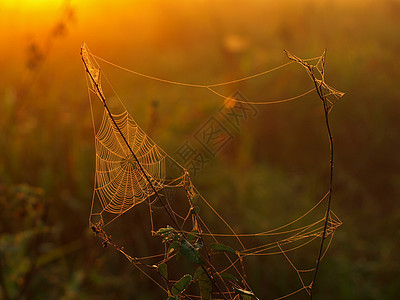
{"points": [[328, 208]]}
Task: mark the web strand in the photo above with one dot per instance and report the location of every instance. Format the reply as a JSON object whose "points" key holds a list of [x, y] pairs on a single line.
{"points": [[210, 87], [123, 184]]}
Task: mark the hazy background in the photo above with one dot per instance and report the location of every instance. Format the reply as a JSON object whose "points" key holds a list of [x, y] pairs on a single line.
{"points": [[273, 171]]}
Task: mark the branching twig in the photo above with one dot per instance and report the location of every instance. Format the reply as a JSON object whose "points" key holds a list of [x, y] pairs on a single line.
{"points": [[319, 84]]}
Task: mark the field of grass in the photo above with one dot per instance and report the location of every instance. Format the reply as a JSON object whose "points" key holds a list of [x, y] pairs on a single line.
{"points": [[272, 172]]}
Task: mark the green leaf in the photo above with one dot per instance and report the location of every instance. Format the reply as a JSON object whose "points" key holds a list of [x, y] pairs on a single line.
{"points": [[165, 231], [198, 273], [190, 252], [204, 282], [198, 245], [167, 239], [221, 248], [205, 286], [181, 285], [174, 246], [162, 269], [245, 294], [228, 276]]}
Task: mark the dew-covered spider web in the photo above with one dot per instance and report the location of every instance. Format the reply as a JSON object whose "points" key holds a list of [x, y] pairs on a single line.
{"points": [[120, 183], [136, 176]]}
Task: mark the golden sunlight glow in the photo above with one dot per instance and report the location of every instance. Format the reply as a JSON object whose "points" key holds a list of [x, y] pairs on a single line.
{"points": [[32, 4], [30, 15]]}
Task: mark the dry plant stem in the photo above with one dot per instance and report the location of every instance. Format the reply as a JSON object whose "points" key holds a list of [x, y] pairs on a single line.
{"points": [[319, 88], [142, 170], [328, 208]]}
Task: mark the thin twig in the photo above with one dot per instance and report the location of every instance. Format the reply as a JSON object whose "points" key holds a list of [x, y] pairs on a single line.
{"points": [[328, 207], [318, 87]]}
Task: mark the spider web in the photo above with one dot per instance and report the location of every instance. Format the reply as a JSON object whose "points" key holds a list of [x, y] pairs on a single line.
{"points": [[133, 171], [120, 183], [317, 74]]}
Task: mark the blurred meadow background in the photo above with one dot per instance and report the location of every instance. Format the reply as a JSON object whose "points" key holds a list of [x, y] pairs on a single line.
{"points": [[274, 170]]}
